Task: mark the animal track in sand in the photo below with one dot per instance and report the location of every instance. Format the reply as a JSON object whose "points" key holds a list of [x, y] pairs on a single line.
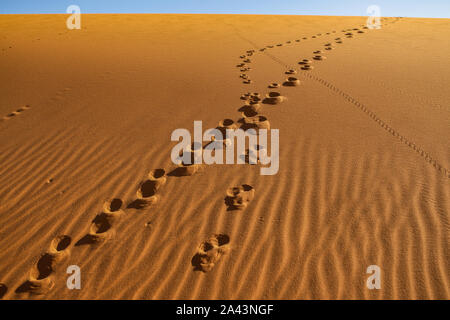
{"points": [[239, 197], [210, 252], [291, 71], [438, 166]]}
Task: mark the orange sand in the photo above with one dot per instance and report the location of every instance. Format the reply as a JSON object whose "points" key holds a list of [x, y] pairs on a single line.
{"points": [[364, 157]]}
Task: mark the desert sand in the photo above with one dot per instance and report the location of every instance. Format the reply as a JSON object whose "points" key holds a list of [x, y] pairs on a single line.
{"points": [[364, 175]]}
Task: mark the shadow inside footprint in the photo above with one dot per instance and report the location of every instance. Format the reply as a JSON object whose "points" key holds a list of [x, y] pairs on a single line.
{"points": [[24, 287], [62, 243], [229, 202], [3, 290], [44, 266]]}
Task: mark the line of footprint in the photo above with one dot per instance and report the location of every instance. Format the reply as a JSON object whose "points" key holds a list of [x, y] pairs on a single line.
{"points": [[306, 64], [212, 249], [15, 113], [41, 276]]}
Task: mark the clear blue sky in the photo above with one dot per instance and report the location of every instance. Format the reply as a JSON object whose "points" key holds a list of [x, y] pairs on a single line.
{"points": [[404, 8]]}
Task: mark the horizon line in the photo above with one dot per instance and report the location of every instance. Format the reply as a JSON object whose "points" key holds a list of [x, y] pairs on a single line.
{"points": [[247, 14]]}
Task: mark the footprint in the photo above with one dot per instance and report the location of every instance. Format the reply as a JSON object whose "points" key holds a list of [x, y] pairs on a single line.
{"points": [[317, 52], [59, 248], [99, 231], [274, 85], [188, 169], [307, 67], [210, 252], [291, 82], [113, 208], [256, 122], [15, 113], [329, 48], [305, 62], [239, 197], [11, 115], [146, 194], [40, 280], [249, 110], [291, 71], [273, 97], [319, 57], [226, 124], [252, 154], [251, 98], [247, 81], [3, 290]]}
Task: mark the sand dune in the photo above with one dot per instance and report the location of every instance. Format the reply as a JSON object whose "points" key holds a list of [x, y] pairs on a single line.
{"points": [[86, 177]]}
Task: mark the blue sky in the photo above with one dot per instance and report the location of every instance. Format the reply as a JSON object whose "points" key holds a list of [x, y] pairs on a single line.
{"points": [[404, 8]]}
